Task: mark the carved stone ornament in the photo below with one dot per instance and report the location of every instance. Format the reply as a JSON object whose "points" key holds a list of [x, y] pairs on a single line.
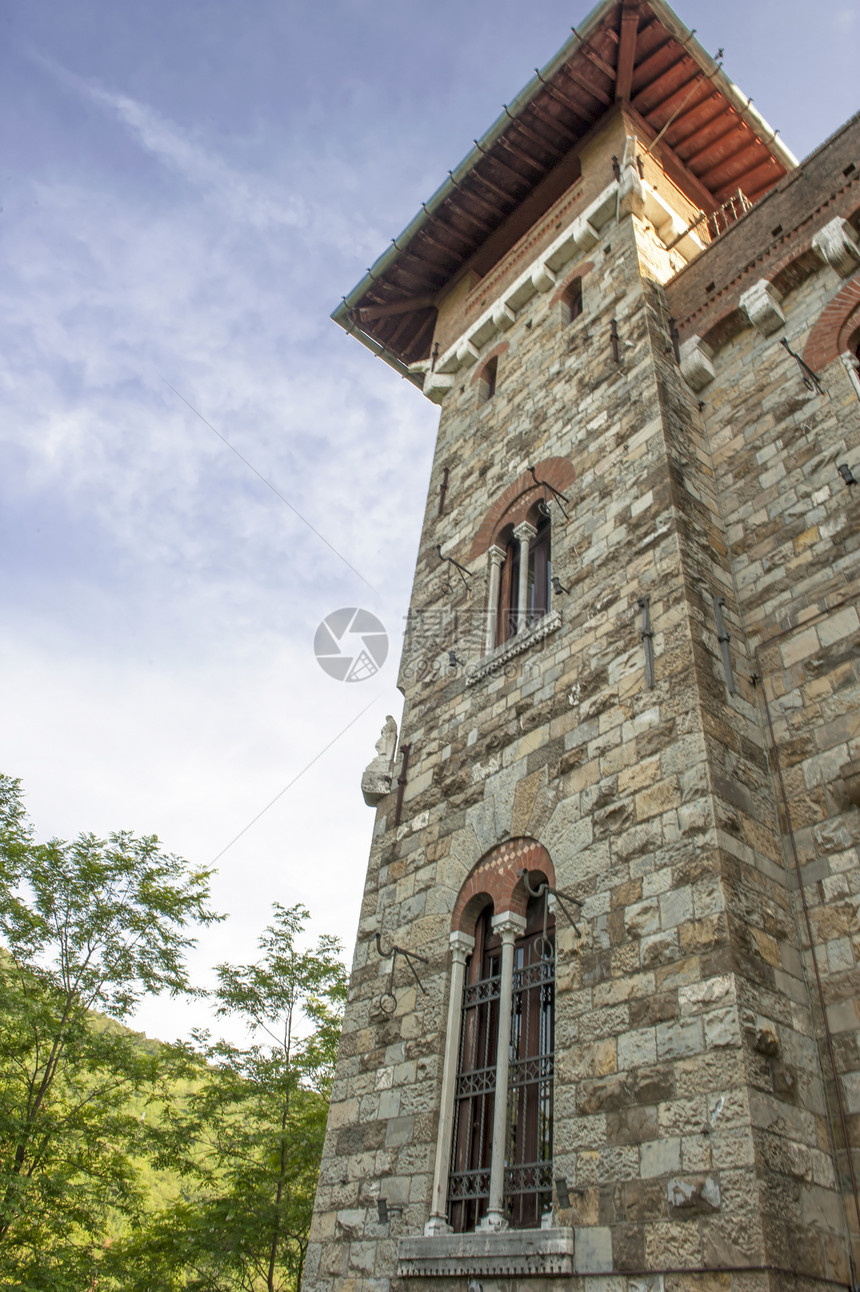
{"points": [[376, 781], [836, 245], [696, 367], [631, 193], [761, 304]]}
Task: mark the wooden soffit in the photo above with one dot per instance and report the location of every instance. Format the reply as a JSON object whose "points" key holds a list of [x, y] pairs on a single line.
{"points": [[636, 53]]}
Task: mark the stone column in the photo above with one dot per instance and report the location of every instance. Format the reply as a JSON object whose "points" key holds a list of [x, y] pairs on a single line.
{"points": [[461, 946], [509, 927], [496, 556], [524, 534]]}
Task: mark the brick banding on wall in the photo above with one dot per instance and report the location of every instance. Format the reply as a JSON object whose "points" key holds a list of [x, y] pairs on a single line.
{"points": [[829, 337], [497, 878], [495, 353], [579, 272], [512, 506]]}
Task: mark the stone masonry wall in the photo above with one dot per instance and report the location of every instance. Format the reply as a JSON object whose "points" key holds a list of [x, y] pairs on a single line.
{"points": [[690, 1107]]}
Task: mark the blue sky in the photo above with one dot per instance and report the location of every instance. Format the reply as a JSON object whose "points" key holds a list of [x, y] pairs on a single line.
{"points": [[187, 191]]}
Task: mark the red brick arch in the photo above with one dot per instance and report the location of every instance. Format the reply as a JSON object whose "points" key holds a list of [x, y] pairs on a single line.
{"points": [[514, 504], [497, 878], [496, 353], [829, 336]]}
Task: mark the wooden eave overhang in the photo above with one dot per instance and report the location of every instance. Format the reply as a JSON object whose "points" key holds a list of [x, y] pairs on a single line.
{"points": [[634, 52]]}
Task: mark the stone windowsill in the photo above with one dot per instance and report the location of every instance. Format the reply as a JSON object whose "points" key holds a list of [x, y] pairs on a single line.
{"points": [[513, 1251], [502, 655]]}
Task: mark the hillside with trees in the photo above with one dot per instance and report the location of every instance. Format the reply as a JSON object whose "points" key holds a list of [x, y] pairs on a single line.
{"points": [[126, 1163]]}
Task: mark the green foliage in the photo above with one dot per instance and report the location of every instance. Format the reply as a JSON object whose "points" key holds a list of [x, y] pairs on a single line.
{"points": [[89, 924], [249, 1137]]}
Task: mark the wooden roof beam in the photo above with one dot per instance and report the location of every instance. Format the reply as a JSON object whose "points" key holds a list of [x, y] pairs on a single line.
{"points": [[553, 122], [402, 326], [653, 97], [587, 85], [523, 156], [593, 57], [752, 152], [682, 95], [494, 188], [424, 232], [470, 195], [367, 313], [664, 59], [715, 149], [626, 50], [721, 110], [459, 210], [577, 109], [538, 138], [753, 180]]}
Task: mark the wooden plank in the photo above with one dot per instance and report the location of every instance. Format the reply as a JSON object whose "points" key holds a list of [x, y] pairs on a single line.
{"points": [[587, 85], [752, 152], [665, 57], [369, 312], [577, 109], [759, 179], [494, 188], [626, 52], [664, 109], [553, 122], [653, 95], [716, 151], [536, 137], [696, 119]]}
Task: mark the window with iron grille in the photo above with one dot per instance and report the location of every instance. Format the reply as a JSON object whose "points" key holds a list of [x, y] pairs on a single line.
{"points": [[528, 1137]]}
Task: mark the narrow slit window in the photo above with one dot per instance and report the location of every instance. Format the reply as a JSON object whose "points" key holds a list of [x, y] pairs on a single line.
{"points": [[487, 384], [573, 301]]}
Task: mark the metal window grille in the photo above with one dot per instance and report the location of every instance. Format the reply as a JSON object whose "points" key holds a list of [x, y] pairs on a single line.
{"points": [[528, 1146]]}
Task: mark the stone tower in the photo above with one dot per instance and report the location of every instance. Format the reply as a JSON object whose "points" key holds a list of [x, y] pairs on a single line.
{"points": [[602, 1029]]}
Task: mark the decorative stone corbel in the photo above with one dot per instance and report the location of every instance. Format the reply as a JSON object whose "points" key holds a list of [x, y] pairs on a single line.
{"points": [[503, 316], [761, 305], [837, 246], [696, 366], [437, 385], [467, 354], [376, 781], [631, 193], [543, 278]]}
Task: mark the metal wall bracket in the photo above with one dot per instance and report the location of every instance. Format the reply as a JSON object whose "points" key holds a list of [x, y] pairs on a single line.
{"points": [[560, 498], [723, 638], [647, 638], [811, 379], [542, 889], [464, 574], [409, 956]]}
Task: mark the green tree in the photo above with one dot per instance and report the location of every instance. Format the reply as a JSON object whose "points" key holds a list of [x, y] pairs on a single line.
{"points": [[252, 1131], [92, 924]]}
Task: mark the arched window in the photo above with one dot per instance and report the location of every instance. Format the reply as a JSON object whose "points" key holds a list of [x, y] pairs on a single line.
{"points": [[525, 577], [469, 1183], [521, 999], [572, 301], [487, 380]]}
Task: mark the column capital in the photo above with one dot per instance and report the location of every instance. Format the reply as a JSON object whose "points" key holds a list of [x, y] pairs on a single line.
{"points": [[525, 531], [509, 925], [495, 554], [462, 944]]}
